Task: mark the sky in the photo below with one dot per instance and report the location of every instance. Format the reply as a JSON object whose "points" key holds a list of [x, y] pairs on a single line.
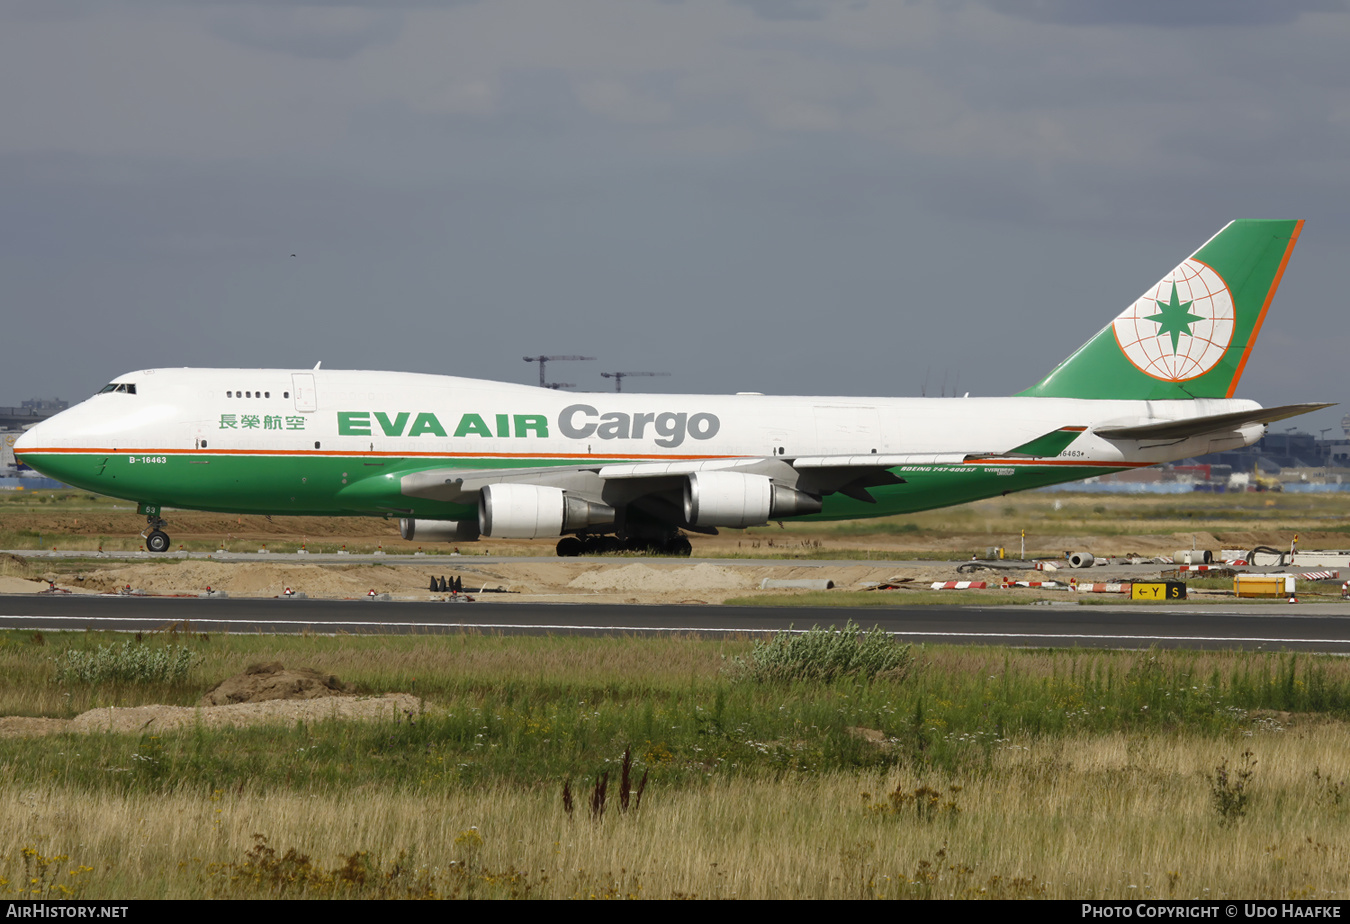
{"points": [[855, 197]]}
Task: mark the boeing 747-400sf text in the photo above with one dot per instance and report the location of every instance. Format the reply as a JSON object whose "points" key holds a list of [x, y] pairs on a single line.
{"points": [[454, 458]]}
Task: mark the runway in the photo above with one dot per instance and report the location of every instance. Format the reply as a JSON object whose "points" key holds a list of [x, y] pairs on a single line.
{"points": [[1278, 627]]}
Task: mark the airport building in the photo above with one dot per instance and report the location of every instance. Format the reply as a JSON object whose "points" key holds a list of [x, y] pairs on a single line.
{"points": [[13, 421]]}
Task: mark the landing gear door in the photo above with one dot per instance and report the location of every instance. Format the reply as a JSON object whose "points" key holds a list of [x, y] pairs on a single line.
{"points": [[305, 397]]}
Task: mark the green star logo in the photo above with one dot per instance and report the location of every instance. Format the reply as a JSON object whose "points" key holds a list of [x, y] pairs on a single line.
{"points": [[1174, 318]]}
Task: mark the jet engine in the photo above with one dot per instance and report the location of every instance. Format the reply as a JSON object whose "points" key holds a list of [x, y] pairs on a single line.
{"points": [[438, 530], [528, 511], [736, 500]]}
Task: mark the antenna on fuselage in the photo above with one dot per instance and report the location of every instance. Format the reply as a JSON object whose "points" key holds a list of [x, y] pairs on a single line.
{"points": [[541, 360], [318, 364]]}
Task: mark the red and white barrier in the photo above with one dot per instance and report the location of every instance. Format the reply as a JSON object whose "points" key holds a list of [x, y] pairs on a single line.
{"points": [[1108, 588], [959, 585]]}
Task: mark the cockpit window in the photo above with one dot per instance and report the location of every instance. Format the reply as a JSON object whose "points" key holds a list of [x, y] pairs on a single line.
{"points": [[127, 388]]}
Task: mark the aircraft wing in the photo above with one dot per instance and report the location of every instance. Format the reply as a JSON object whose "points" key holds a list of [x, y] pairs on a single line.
{"points": [[818, 475], [1198, 426], [460, 485]]}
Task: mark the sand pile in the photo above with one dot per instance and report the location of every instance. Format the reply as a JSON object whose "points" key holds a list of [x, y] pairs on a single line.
{"points": [[13, 585], [256, 580], [159, 718], [644, 578], [264, 693]]}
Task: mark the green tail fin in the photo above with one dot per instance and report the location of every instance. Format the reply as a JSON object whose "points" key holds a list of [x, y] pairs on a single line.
{"points": [[1190, 335]]}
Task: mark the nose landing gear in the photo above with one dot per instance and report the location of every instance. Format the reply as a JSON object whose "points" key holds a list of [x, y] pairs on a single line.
{"points": [[156, 540]]}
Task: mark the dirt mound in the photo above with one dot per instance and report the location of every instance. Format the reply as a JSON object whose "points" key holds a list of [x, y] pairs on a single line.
{"points": [[263, 682], [241, 715], [255, 579], [12, 585], [637, 577], [237, 715]]}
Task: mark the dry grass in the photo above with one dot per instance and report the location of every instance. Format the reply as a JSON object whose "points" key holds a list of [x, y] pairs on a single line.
{"points": [[1109, 817], [1063, 774], [1105, 524]]}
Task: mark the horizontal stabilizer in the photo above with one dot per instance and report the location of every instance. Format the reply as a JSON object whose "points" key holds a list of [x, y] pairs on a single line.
{"points": [[1051, 444], [1215, 423]]}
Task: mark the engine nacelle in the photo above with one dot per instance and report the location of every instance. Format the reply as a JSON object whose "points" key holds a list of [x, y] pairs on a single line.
{"points": [[438, 530], [530, 511], [736, 500]]}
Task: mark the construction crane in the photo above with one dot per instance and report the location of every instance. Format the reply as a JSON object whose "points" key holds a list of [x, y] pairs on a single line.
{"points": [[618, 377], [541, 360]]}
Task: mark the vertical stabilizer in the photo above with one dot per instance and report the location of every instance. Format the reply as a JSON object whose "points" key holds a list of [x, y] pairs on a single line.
{"points": [[1189, 335]]}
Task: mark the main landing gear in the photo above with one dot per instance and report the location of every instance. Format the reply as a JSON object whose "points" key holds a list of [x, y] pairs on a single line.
{"points": [[156, 540], [572, 546]]}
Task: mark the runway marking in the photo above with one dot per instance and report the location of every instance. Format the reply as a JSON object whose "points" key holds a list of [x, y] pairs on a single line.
{"points": [[560, 627]]}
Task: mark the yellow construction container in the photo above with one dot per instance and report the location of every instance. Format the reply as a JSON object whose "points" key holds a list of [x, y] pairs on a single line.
{"points": [[1263, 585]]}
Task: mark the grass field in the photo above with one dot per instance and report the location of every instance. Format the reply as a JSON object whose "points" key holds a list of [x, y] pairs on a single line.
{"points": [[973, 773], [970, 773]]}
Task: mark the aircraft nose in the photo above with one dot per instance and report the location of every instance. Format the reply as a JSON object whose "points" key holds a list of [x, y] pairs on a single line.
{"points": [[26, 440], [36, 439]]}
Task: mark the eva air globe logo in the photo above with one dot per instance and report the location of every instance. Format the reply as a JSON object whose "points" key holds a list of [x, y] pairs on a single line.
{"points": [[1180, 328]]}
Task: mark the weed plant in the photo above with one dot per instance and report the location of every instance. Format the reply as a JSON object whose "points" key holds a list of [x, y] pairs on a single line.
{"points": [[1228, 788], [130, 662], [823, 656]]}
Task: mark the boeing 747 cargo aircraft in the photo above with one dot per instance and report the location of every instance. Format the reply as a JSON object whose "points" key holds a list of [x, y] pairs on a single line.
{"points": [[453, 458]]}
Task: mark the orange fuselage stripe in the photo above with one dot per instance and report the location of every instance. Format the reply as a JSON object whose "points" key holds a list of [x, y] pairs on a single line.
{"points": [[1092, 463], [1270, 297]]}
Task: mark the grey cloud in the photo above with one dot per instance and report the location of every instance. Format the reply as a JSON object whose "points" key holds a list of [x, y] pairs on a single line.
{"points": [[24, 11], [786, 9], [1164, 12], [307, 32], [649, 206]]}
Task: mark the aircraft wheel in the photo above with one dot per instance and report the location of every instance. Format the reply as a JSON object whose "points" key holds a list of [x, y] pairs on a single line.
{"points": [[569, 547], [157, 541]]}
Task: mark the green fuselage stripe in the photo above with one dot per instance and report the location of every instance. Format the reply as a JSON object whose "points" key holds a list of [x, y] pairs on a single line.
{"points": [[327, 485]]}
